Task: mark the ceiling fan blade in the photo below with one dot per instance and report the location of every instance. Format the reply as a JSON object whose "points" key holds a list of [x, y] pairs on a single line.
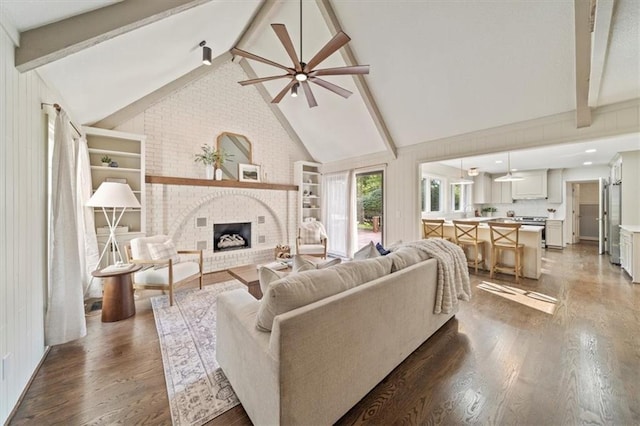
{"points": [[338, 40], [283, 35], [248, 55], [332, 87], [311, 100], [284, 91], [260, 80], [356, 69]]}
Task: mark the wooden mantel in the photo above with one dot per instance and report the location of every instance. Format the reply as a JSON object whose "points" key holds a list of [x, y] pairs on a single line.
{"points": [[170, 180]]}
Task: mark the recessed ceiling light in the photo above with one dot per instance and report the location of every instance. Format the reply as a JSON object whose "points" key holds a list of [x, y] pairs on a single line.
{"points": [[514, 170], [588, 163], [589, 151], [498, 161]]}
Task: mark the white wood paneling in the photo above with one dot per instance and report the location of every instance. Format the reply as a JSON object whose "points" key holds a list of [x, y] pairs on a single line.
{"points": [[402, 196], [23, 153]]}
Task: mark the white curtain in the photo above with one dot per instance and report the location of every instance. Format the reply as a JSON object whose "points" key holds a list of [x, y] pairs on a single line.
{"points": [[87, 240], [336, 193], [65, 310]]}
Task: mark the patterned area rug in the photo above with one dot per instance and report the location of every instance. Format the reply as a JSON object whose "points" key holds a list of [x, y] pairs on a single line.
{"points": [[532, 299], [198, 389]]}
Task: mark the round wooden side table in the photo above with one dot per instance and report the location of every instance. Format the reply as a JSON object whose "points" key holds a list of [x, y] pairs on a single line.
{"points": [[117, 294]]}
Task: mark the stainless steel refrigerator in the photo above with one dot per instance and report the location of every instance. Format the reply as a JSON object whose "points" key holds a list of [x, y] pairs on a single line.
{"points": [[614, 213]]}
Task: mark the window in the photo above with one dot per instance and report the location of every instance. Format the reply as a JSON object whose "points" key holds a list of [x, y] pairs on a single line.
{"points": [[458, 197], [432, 195]]}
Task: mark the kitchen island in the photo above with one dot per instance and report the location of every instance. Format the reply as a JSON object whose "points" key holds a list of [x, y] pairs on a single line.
{"points": [[530, 236]]}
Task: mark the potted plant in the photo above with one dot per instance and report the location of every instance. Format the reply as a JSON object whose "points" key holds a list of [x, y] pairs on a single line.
{"points": [[105, 160], [487, 210], [211, 157]]}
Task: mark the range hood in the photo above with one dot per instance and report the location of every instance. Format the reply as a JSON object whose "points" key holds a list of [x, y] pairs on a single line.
{"points": [[532, 187]]}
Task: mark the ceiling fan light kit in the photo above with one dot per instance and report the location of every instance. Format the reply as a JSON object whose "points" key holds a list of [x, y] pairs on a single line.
{"points": [[302, 73]]}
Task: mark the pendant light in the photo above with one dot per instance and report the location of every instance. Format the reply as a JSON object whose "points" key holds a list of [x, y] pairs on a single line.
{"points": [[462, 180], [509, 177]]}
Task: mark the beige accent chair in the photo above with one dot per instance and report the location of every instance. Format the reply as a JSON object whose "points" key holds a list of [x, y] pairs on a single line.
{"points": [[154, 276], [312, 239], [466, 233], [505, 237], [433, 228]]}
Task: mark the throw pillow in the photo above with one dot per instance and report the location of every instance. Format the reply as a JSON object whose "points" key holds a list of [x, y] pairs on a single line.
{"points": [[309, 235], [266, 277], [366, 252], [163, 251], [382, 250], [394, 245], [301, 264]]}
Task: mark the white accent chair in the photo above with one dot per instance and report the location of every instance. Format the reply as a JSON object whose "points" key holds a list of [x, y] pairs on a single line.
{"points": [[157, 277], [312, 239]]}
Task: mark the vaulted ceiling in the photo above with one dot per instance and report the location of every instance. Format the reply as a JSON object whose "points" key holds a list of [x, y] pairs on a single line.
{"points": [[438, 68]]}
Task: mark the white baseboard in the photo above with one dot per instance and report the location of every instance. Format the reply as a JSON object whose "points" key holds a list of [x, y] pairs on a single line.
{"points": [[28, 385]]}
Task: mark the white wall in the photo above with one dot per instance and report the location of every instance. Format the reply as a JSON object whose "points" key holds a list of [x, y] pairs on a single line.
{"points": [[401, 196], [448, 175], [630, 188], [176, 128], [23, 188]]}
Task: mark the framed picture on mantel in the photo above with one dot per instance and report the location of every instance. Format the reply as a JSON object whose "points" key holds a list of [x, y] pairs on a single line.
{"points": [[248, 173]]}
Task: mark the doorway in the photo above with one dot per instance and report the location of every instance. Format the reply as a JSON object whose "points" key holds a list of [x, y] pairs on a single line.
{"points": [[369, 207], [585, 212]]}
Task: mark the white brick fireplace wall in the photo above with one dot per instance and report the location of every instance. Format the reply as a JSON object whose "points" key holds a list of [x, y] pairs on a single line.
{"points": [[177, 127]]}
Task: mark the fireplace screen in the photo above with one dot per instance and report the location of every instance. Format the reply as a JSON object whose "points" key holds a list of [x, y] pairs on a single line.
{"points": [[231, 236]]}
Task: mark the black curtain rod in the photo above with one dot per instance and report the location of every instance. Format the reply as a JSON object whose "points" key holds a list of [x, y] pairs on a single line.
{"points": [[58, 108]]}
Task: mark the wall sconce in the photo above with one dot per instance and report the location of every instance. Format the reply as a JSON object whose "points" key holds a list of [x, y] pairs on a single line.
{"points": [[206, 53]]}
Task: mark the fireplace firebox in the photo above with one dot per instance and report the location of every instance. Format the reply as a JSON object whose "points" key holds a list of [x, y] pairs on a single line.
{"points": [[231, 236]]}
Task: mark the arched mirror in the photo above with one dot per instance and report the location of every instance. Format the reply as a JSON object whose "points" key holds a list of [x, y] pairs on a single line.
{"points": [[239, 149]]}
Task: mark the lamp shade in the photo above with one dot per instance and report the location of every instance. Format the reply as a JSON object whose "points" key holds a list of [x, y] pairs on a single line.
{"points": [[112, 194]]}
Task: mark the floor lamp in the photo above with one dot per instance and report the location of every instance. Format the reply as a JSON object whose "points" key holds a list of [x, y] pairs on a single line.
{"points": [[114, 196]]}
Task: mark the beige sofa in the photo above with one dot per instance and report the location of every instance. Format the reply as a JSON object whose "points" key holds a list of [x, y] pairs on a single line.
{"points": [[320, 359]]}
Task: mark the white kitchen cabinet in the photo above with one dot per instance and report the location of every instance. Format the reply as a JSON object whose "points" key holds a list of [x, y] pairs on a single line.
{"points": [[533, 186], [554, 186], [554, 233], [309, 180], [500, 192], [482, 189], [630, 250]]}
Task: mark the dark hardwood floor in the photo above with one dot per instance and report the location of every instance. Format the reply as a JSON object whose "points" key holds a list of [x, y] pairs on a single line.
{"points": [[496, 362]]}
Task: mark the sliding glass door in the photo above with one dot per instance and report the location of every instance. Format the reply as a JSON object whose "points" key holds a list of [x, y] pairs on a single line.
{"points": [[369, 207]]}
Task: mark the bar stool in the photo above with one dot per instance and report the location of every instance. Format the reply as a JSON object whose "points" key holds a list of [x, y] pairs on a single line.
{"points": [[505, 237], [433, 228], [466, 233]]}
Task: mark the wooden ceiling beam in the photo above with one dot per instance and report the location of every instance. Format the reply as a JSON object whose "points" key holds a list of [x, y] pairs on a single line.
{"points": [[582, 16], [349, 57], [601, 34], [257, 20], [49, 43]]}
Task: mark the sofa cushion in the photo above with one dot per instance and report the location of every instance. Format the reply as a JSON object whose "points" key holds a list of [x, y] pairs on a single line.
{"points": [[406, 256], [301, 264], [266, 276], [367, 252], [300, 289]]}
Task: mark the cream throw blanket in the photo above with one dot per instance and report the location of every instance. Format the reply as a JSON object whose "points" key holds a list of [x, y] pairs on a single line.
{"points": [[453, 274]]}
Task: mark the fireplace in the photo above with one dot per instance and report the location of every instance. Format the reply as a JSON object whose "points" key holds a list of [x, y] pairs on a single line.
{"points": [[231, 236]]}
